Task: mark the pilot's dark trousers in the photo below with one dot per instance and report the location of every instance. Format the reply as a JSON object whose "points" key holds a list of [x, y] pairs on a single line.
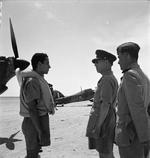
{"points": [[31, 136], [135, 150]]}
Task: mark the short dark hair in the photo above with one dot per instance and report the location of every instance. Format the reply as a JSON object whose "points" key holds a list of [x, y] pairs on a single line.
{"points": [[130, 48], [38, 57]]}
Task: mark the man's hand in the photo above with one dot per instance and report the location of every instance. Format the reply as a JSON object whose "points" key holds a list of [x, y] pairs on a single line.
{"points": [[146, 144], [146, 148], [52, 111], [92, 110], [96, 132]]}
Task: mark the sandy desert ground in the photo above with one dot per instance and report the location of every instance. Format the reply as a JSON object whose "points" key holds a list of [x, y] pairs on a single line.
{"points": [[68, 127]]}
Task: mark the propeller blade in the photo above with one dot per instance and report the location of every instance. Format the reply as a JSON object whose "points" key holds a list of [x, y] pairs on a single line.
{"points": [[13, 40]]}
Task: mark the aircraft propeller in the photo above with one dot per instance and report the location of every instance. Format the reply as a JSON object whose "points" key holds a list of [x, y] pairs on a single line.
{"points": [[13, 40], [9, 64], [18, 63]]}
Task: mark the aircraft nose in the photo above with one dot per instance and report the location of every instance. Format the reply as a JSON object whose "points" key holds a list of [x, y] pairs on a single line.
{"points": [[22, 64]]}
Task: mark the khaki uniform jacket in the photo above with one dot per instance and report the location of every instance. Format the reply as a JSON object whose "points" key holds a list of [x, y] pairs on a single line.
{"points": [[105, 94], [133, 99]]}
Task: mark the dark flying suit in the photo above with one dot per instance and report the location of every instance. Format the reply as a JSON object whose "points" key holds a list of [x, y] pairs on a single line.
{"points": [[105, 94], [133, 122]]}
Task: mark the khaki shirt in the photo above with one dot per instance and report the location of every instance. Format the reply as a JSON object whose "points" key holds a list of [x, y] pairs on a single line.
{"points": [[105, 94], [133, 99]]}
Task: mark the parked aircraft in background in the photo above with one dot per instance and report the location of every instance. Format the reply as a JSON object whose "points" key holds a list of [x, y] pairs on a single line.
{"points": [[7, 71], [84, 95], [9, 64]]}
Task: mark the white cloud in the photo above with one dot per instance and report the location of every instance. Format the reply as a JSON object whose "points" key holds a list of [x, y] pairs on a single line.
{"points": [[38, 5], [98, 40], [50, 15], [42, 7], [0, 13], [53, 17]]}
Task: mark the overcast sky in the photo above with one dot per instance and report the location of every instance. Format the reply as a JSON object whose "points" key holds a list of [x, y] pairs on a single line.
{"points": [[70, 31]]}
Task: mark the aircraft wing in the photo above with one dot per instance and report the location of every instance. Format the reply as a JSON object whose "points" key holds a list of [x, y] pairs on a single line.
{"points": [[87, 94]]}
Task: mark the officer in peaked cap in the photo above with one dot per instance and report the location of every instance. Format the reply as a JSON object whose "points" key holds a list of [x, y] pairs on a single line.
{"points": [[100, 133], [133, 123], [104, 55]]}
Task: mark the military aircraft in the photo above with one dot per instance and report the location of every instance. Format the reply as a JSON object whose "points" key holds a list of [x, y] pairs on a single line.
{"points": [[9, 142], [9, 64], [84, 95], [7, 71]]}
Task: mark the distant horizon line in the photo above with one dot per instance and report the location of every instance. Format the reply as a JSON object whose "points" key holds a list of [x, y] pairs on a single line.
{"points": [[9, 96]]}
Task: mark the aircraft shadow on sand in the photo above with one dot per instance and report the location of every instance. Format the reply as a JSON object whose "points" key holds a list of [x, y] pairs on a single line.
{"points": [[9, 142]]}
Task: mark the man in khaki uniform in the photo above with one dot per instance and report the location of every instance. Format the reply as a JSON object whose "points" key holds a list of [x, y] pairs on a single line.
{"points": [[133, 121], [101, 124]]}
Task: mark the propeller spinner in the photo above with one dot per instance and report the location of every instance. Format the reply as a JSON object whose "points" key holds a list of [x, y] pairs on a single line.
{"points": [[8, 65]]}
